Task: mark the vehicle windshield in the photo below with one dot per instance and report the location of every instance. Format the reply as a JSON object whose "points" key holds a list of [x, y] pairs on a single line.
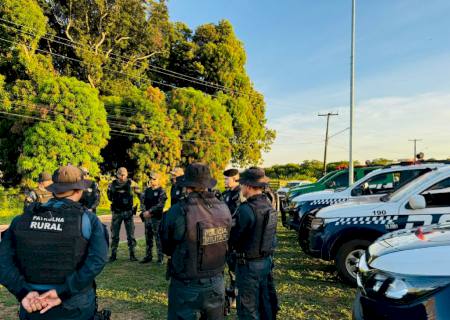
{"points": [[397, 195], [325, 177]]}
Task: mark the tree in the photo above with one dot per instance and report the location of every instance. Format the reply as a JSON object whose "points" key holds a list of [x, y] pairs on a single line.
{"points": [[205, 128], [223, 59], [149, 140], [72, 129], [100, 32]]}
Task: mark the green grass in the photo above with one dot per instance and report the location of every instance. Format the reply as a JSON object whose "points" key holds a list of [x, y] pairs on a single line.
{"points": [[307, 288]]}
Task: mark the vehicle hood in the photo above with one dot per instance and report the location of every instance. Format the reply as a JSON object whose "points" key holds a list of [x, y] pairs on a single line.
{"points": [[355, 208], [420, 251]]}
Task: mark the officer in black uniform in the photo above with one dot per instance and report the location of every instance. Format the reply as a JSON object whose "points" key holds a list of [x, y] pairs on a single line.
{"points": [[232, 194], [120, 193], [91, 196], [176, 191], [152, 204], [194, 234], [253, 239], [232, 197], [51, 254]]}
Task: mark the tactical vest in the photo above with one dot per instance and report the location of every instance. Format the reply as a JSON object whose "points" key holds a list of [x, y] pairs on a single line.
{"points": [[232, 199], [202, 253], [261, 242], [49, 241], [43, 195], [151, 199], [122, 198], [90, 196]]}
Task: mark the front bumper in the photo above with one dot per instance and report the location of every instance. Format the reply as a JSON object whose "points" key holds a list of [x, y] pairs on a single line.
{"points": [[432, 307]]}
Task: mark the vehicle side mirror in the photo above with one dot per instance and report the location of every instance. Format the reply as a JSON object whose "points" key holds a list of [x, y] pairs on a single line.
{"points": [[417, 202]]}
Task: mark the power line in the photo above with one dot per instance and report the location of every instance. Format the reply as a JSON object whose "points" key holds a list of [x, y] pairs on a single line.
{"points": [[128, 133], [122, 58]]}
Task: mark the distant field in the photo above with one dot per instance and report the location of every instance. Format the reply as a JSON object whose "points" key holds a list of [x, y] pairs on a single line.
{"points": [[308, 288]]}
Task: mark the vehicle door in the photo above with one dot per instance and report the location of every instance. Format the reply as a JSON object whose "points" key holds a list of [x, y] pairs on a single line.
{"points": [[430, 206]]}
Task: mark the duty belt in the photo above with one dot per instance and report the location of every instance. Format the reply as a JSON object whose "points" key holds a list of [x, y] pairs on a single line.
{"points": [[241, 257]]}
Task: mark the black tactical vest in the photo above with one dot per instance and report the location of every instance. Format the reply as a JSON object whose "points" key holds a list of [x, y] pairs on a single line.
{"points": [[202, 253], [233, 199], [49, 242], [152, 197], [90, 196], [122, 196], [261, 242]]}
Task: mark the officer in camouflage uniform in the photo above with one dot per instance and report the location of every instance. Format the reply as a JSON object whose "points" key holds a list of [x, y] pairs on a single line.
{"points": [[253, 239], [91, 196], [40, 194], [152, 205], [194, 234], [176, 191], [120, 193]]}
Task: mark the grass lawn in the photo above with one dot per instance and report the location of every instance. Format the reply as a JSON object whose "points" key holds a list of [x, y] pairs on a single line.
{"points": [[307, 288]]}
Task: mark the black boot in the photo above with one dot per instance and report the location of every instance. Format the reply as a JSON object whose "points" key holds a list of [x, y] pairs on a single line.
{"points": [[113, 257], [133, 257], [147, 259]]}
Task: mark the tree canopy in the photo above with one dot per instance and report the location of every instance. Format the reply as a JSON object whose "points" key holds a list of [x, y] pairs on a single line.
{"points": [[116, 83]]}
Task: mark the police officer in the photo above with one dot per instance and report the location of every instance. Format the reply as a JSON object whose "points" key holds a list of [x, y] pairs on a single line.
{"points": [[232, 194], [232, 197], [194, 234], [40, 194], [51, 254], [153, 201], [176, 191], [253, 238], [120, 193], [91, 196]]}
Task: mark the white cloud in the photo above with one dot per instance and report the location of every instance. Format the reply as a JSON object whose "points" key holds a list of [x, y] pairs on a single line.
{"points": [[382, 129]]}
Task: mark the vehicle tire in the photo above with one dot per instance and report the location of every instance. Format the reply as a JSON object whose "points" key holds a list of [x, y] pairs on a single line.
{"points": [[347, 259]]}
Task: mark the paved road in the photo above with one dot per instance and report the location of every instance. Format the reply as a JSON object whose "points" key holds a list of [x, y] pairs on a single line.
{"points": [[139, 232]]}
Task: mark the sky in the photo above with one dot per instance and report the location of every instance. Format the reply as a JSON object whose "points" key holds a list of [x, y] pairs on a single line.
{"points": [[298, 56]]}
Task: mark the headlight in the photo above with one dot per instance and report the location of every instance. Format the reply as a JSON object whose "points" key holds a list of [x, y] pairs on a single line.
{"points": [[317, 223], [396, 287]]}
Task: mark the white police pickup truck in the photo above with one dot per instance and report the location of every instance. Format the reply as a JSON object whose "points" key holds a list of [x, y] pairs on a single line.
{"points": [[374, 185], [343, 232]]}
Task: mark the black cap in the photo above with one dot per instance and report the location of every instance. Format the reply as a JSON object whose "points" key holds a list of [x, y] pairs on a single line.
{"points": [[198, 175], [255, 177], [231, 172]]}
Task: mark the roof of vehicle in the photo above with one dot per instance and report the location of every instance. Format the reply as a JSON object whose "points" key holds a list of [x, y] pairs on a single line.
{"points": [[331, 194]]}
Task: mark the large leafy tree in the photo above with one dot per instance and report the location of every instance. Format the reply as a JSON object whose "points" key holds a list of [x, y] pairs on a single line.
{"points": [[72, 129], [205, 128], [223, 59], [113, 39], [145, 139]]}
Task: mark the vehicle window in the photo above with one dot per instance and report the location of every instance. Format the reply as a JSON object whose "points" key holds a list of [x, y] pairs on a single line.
{"points": [[385, 182], [438, 195], [339, 181], [328, 175], [399, 193]]}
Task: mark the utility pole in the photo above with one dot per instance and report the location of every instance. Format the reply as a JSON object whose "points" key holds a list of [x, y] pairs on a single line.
{"points": [[328, 115], [352, 95], [415, 149]]}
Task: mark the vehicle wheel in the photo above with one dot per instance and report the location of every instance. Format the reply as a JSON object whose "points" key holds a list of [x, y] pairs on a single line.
{"points": [[347, 259]]}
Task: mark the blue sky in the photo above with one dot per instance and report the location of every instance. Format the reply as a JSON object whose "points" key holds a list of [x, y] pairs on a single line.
{"points": [[298, 57]]}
